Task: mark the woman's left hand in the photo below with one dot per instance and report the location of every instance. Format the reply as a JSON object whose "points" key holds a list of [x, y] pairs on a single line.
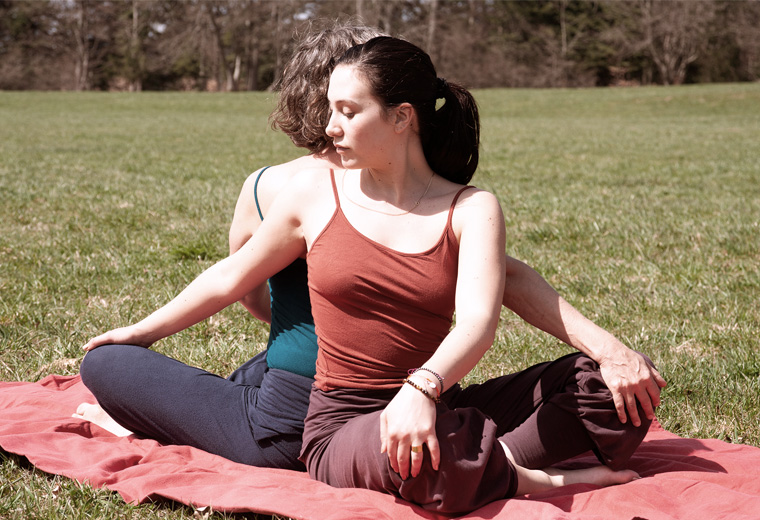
{"points": [[406, 425], [632, 382], [130, 335]]}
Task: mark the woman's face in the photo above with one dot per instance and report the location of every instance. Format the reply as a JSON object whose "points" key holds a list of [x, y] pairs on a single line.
{"points": [[359, 125]]}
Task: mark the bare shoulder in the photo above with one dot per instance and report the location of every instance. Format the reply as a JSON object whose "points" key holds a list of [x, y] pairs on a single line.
{"points": [[478, 201], [270, 182], [275, 179], [307, 185], [307, 200], [477, 207]]}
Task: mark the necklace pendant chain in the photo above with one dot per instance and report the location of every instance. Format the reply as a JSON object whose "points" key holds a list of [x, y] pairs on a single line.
{"points": [[343, 184]]}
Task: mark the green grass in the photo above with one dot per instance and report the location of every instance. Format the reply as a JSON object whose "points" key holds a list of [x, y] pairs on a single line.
{"points": [[641, 206]]}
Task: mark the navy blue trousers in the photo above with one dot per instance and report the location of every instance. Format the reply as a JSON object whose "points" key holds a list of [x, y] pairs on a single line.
{"points": [[253, 417]]}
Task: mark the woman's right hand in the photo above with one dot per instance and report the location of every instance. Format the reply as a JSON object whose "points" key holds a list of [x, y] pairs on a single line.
{"points": [[406, 424], [129, 335]]}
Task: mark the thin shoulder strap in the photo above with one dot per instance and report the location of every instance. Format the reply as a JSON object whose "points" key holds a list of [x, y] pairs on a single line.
{"points": [[454, 203], [255, 191], [335, 187]]}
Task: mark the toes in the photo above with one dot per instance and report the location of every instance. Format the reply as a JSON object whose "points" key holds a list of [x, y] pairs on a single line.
{"points": [[81, 410], [625, 476]]}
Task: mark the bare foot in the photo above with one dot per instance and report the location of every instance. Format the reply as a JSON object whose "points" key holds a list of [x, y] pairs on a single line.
{"points": [[96, 415], [597, 475], [536, 480]]}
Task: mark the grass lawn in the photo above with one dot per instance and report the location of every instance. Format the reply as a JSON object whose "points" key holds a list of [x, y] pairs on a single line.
{"points": [[641, 206]]}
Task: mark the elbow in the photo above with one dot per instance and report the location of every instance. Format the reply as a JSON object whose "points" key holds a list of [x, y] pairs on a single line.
{"points": [[490, 333], [483, 329], [237, 239]]}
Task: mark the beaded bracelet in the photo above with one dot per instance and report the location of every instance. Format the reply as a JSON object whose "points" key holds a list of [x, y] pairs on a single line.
{"points": [[438, 376], [421, 389], [430, 384]]}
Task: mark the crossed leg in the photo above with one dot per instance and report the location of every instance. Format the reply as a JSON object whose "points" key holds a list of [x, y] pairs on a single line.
{"points": [[536, 480]]}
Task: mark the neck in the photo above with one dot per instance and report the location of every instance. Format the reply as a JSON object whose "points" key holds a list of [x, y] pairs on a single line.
{"points": [[383, 202], [400, 181]]}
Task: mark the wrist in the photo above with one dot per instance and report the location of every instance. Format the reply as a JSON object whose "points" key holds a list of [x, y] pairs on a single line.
{"points": [[423, 387], [591, 339], [431, 376], [142, 335], [426, 382], [608, 350]]}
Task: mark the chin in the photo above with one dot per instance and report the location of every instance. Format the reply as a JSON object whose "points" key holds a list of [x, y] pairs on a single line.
{"points": [[349, 164]]}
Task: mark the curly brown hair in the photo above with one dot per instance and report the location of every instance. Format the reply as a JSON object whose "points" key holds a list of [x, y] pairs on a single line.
{"points": [[302, 110]]}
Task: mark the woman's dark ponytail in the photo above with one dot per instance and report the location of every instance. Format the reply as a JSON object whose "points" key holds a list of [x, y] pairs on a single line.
{"points": [[400, 72], [453, 144]]}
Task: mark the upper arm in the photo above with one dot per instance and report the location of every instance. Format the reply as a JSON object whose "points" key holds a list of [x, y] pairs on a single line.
{"points": [[296, 209], [245, 220], [277, 242], [480, 281]]}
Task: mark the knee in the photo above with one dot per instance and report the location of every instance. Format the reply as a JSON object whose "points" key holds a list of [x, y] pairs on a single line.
{"points": [[92, 365], [471, 455], [582, 379], [100, 365], [614, 441]]}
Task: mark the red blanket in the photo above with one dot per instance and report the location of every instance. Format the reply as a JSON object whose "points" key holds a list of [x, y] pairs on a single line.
{"points": [[683, 478]]}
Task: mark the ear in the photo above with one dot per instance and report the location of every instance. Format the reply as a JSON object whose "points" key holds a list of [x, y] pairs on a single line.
{"points": [[403, 115]]}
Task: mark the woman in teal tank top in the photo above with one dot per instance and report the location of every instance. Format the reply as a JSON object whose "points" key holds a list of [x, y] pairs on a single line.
{"points": [[256, 415]]}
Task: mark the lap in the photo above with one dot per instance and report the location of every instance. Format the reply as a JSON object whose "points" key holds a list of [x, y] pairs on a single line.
{"points": [[556, 395], [349, 456]]}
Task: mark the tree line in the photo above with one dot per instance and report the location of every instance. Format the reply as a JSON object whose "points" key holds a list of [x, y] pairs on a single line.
{"points": [[230, 45]]}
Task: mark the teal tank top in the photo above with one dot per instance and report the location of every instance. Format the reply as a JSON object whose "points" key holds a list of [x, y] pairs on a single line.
{"points": [[292, 342]]}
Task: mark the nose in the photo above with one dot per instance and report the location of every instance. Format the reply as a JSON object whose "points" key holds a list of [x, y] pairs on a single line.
{"points": [[332, 129]]}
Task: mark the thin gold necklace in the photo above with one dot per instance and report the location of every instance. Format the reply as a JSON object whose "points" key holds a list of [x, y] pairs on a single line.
{"points": [[343, 187]]}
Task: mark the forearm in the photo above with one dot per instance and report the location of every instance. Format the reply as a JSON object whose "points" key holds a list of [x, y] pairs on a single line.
{"points": [[534, 300], [588, 337], [461, 350], [212, 291], [409, 419]]}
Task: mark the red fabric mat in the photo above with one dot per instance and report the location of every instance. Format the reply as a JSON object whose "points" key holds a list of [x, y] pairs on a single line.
{"points": [[683, 478]]}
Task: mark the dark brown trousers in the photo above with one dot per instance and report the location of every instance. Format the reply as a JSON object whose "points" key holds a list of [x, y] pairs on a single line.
{"points": [[544, 414]]}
